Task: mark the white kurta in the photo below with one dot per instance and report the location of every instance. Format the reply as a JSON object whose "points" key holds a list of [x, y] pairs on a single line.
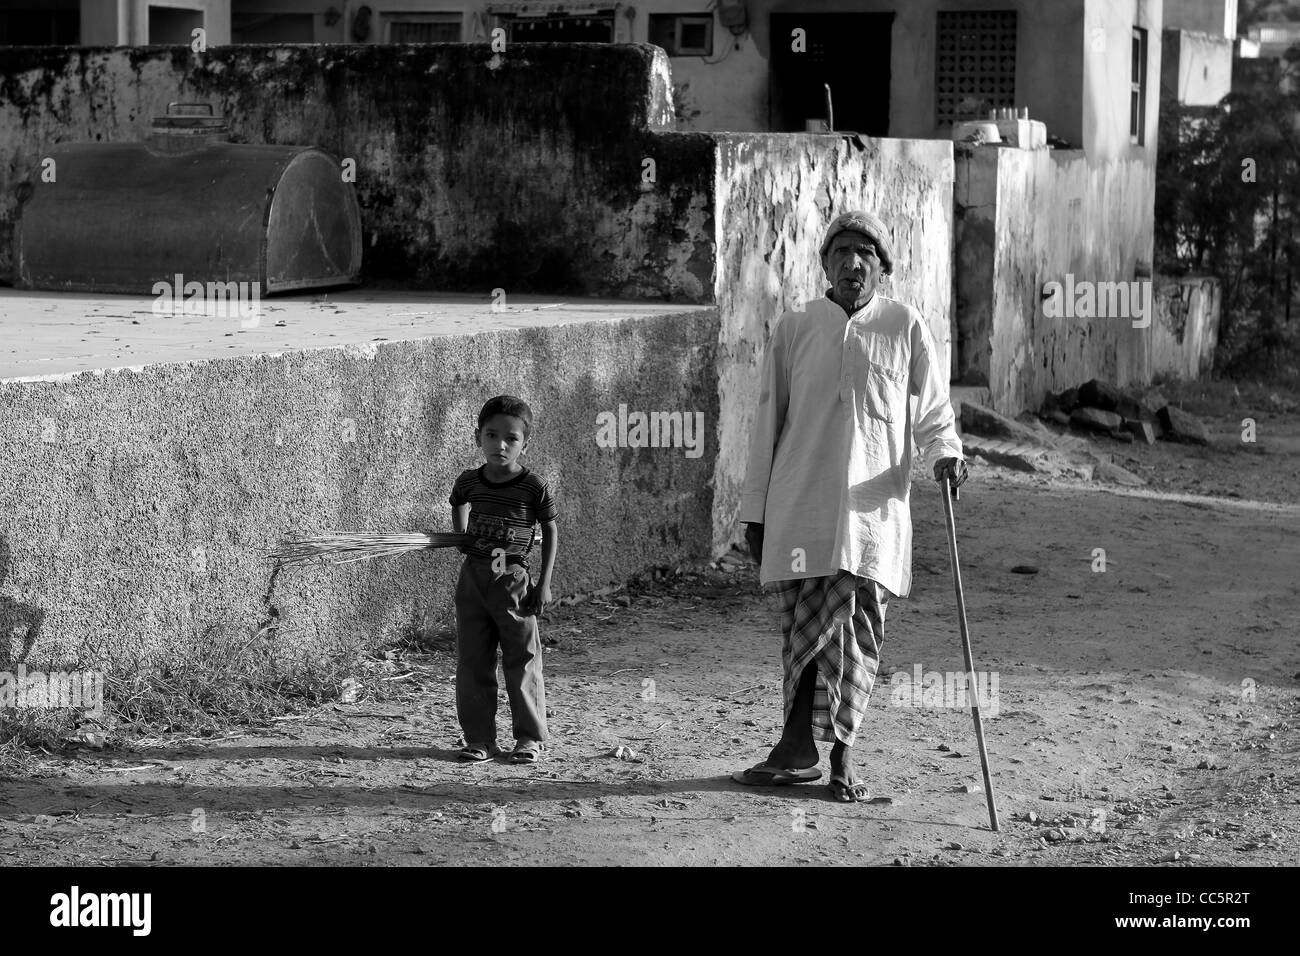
{"points": [[832, 445]]}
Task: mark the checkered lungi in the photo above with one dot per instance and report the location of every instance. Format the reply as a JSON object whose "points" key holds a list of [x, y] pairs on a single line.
{"points": [[838, 621]]}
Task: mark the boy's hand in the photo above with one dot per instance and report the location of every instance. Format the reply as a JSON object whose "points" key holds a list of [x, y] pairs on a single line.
{"points": [[754, 539], [539, 598]]}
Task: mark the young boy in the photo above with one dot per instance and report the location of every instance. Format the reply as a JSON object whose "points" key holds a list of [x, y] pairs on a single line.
{"points": [[499, 504]]}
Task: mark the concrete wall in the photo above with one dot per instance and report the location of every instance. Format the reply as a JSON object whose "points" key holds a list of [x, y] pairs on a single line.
{"points": [[1215, 17], [523, 171], [730, 90], [1027, 218], [1049, 63], [1196, 68], [1184, 330], [775, 196], [1107, 78], [153, 535], [126, 22]]}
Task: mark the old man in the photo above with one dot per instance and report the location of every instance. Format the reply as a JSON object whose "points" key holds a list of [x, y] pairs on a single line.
{"points": [[826, 499]]}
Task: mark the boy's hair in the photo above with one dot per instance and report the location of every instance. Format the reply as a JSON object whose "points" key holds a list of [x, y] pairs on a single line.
{"points": [[508, 405]]}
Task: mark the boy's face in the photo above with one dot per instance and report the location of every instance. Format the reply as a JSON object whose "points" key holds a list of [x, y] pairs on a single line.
{"points": [[502, 440]]}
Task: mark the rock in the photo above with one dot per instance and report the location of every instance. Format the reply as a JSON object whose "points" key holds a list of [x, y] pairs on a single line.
{"points": [[624, 600], [943, 747], [1143, 431], [979, 420], [1095, 419], [1180, 426], [1105, 471], [970, 788], [1099, 394], [1171, 857], [1024, 569], [1020, 456], [1060, 417], [1122, 436], [954, 845], [1153, 400], [1209, 763], [881, 800], [1031, 816], [1054, 835]]}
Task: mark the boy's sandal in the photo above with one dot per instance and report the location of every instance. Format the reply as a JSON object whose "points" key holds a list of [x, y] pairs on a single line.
{"points": [[477, 753], [526, 753]]}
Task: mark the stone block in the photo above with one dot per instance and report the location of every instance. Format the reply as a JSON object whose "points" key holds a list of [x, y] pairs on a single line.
{"points": [[1095, 419], [1180, 426]]}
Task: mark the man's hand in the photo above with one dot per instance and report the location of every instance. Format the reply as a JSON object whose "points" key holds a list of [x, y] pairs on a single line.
{"points": [[754, 539], [951, 469]]}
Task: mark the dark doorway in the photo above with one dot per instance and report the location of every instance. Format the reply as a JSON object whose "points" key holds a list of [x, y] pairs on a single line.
{"points": [[850, 51], [37, 24], [169, 25]]}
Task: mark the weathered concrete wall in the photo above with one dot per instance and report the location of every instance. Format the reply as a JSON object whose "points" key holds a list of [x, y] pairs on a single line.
{"points": [[775, 196], [1215, 17], [1034, 217], [1108, 78], [1049, 63], [1196, 69], [154, 534], [475, 170], [1184, 329]]}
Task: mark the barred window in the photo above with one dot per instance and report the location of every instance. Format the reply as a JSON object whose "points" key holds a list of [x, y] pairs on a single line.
{"points": [[424, 27], [975, 64]]}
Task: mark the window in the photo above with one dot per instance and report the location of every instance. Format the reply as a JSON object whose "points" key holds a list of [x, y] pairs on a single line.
{"points": [[1137, 113], [272, 28], [173, 25], [423, 27], [1287, 33], [975, 64], [37, 26], [679, 35], [594, 26]]}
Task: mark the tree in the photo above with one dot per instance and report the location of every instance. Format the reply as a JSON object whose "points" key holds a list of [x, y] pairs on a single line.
{"points": [[1227, 195]]}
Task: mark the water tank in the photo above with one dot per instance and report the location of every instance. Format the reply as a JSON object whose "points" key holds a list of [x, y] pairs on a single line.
{"points": [[120, 217]]}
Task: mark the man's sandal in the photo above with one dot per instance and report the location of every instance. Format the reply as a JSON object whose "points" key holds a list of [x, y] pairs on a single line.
{"points": [[846, 792], [477, 753], [765, 776], [526, 752]]}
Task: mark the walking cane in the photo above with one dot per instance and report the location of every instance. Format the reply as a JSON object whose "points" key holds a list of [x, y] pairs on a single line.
{"points": [[971, 687]]}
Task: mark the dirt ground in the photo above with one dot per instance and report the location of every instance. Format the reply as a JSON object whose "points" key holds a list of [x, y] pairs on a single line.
{"points": [[1127, 722]]}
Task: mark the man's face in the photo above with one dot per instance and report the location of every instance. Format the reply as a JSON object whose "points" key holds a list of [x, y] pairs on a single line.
{"points": [[852, 265]]}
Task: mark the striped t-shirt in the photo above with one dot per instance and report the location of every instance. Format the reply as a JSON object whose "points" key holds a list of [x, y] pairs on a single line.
{"points": [[503, 514]]}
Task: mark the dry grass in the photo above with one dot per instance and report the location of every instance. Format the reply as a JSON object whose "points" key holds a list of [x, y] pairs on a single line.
{"points": [[201, 690], [344, 547]]}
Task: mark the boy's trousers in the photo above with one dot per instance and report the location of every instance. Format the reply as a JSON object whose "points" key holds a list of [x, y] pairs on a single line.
{"points": [[489, 612]]}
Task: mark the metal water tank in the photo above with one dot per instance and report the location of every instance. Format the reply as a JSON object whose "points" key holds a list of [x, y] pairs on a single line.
{"points": [[120, 217]]}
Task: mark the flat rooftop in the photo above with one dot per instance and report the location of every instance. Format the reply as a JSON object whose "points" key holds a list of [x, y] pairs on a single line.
{"points": [[46, 335]]}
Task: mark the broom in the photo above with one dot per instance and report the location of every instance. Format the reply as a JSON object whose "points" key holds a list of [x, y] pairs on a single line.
{"points": [[344, 547]]}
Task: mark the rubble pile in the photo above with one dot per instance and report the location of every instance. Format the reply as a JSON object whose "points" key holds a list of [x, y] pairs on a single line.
{"points": [[1095, 410]]}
